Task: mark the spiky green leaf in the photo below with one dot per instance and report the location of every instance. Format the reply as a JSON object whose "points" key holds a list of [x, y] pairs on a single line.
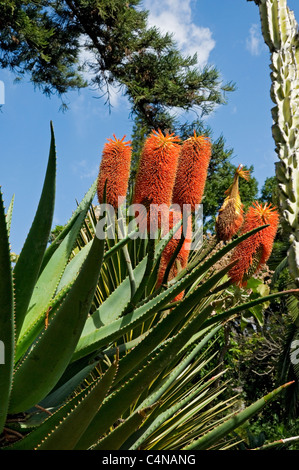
{"points": [[47, 282], [115, 439], [45, 363], [28, 265], [66, 435], [82, 208], [6, 318], [9, 214], [224, 429]]}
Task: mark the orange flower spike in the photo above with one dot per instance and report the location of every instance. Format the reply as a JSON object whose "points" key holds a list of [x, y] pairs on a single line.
{"points": [[255, 251], [183, 255], [157, 169], [230, 217], [115, 168], [192, 171]]}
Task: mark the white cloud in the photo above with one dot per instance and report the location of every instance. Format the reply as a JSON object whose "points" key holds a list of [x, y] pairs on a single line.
{"points": [[83, 168], [176, 18], [254, 43]]}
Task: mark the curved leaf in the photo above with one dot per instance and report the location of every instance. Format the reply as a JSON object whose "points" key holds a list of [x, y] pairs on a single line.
{"points": [[82, 208], [115, 439], [66, 435], [47, 282], [28, 265], [39, 372], [235, 421], [9, 214], [6, 318]]}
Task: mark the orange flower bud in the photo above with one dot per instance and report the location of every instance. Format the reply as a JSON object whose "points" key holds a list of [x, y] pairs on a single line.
{"points": [[115, 169], [157, 169], [230, 217], [192, 171], [255, 251], [156, 176]]}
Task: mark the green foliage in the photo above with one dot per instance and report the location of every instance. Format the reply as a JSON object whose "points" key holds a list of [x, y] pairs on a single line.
{"points": [[269, 192], [34, 41], [47, 39], [91, 366]]}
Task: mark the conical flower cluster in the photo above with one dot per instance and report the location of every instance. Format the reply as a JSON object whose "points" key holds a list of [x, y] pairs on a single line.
{"points": [[230, 217], [172, 177], [192, 171], [157, 169], [171, 173], [155, 178], [255, 251], [191, 175], [114, 171]]}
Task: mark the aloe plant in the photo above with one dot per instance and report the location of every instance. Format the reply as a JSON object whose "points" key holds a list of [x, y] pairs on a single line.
{"points": [[89, 364]]}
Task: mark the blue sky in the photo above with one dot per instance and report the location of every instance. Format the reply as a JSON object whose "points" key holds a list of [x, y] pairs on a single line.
{"points": [[223, 33]]}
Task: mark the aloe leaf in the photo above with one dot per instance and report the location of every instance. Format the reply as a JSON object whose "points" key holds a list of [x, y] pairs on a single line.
{"points": [[241, 307], [179, 369], [45, 363], [198, 393], [165, 326], [114, 305], [28, 338], [9, 214], [115, 439], [107, 333], [210, 262], [115, 248], [6, 318], [37, 435], [66, 435], [73, 267], [82, 208], [119, 402], [34, 438], [28, 265], [116, 404], [280, 443], [168, 382], [62, 393], [210, 438], [48, 280]]}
